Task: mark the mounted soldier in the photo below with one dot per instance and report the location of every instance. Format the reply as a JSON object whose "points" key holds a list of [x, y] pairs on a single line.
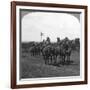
{"points": [[58, 41], [48, 42]]}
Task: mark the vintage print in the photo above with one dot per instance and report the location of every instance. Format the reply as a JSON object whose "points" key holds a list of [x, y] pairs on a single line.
{"points": [[50, 44]]}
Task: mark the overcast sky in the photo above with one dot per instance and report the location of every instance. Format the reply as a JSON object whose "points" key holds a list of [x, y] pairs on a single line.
{"points": [[51, 24]]}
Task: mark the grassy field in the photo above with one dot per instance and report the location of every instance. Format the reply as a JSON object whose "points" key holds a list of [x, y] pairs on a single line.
{"points": [[34, 67]]}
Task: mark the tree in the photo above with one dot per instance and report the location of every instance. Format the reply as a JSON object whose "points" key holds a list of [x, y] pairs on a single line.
{"points": [[77, 42]]}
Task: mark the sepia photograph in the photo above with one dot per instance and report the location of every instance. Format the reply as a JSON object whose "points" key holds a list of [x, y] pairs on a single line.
{"points": [[49, 44]]}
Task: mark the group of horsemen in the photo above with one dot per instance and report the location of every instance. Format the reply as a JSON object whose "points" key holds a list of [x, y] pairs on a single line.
{"points": [[51, 51]]}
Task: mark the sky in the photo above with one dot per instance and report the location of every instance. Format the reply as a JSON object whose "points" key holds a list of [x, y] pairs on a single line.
{"points": [[51, 24]]}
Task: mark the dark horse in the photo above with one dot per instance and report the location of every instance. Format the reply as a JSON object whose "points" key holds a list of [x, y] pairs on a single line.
{"points": [[51, 52]]}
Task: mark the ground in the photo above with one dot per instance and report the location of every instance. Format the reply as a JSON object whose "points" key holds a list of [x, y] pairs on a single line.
{"points": [[34, 67]]}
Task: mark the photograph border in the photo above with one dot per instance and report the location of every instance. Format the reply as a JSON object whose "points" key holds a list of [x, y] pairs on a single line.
{"points": [[14, 44]]}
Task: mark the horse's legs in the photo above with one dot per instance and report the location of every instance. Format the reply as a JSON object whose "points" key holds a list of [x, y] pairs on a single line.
{"points": [[45, 59], [63, 58], [68, 58], [54, 59], [50, 59]]}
